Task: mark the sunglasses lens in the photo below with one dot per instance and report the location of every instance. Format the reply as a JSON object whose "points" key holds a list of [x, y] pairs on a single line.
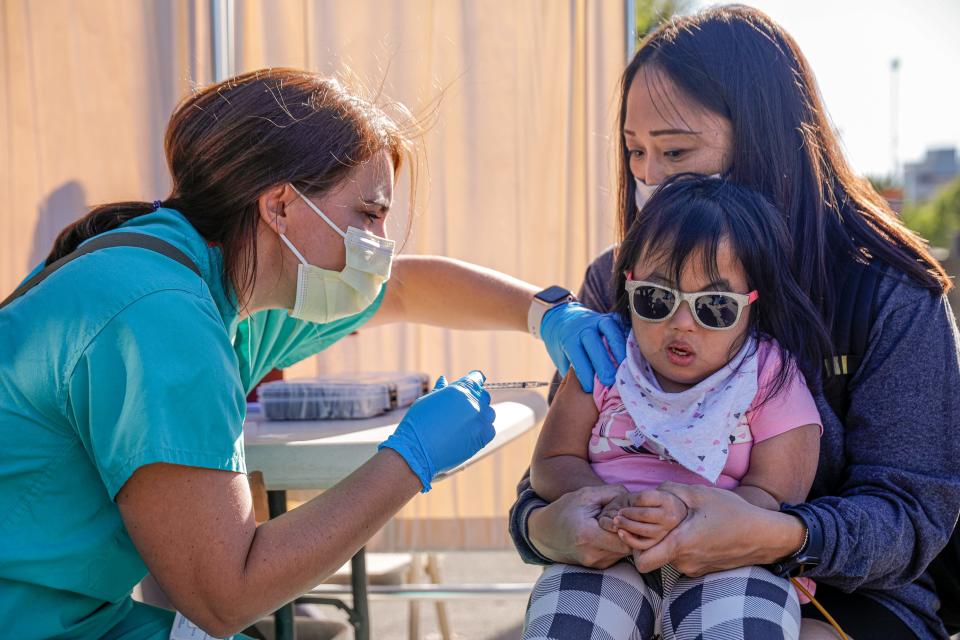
{"points": [[717, 311], [653, 303]]}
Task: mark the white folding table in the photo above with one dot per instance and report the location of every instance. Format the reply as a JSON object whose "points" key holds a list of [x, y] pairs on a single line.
{"points": [[317, 454]]}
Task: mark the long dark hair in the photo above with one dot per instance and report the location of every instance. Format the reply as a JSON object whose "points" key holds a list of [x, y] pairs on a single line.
{"points": [[690, 216], [229, 142], [736, 62]]}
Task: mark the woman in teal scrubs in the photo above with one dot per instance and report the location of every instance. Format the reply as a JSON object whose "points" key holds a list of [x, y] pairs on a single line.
{"points": [[123, 373]]}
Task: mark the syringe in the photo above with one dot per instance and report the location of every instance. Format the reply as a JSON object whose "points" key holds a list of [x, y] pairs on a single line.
{"points": [[525, 384]]}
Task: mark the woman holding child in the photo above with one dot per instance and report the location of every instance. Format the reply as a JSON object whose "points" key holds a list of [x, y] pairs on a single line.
{"points": [[728, 92]]}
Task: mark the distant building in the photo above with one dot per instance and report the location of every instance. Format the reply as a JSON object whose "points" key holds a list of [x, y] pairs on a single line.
{"points": [[894, 197], [921, 180]]}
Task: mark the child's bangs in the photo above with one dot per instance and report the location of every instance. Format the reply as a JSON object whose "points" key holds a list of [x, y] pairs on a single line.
{"points": [[675, 235]]}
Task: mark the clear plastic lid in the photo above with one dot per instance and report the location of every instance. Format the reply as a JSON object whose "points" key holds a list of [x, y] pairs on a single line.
{"points": [[355, 395]]}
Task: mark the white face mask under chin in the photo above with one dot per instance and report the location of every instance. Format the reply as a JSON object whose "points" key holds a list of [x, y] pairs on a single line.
{"points": [[324, 295], [643, 191]]}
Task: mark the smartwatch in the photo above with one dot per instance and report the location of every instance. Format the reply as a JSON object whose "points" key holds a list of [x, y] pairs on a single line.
{"points": [[543, 302], [809, 554]]}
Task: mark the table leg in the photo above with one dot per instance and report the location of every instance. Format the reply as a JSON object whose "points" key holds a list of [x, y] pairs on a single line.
{"points": [[358, 582], [413, 615], [433, 570], [283, 617]]}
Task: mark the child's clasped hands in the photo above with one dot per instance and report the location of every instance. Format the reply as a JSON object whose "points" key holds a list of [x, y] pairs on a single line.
{"points": [[643, 518]]}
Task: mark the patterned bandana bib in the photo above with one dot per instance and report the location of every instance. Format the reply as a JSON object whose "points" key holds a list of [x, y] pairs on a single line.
{"points": [[694, 427]]}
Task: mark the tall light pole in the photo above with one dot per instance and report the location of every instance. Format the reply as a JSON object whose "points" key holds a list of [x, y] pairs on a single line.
{"points": [[895, 120]]}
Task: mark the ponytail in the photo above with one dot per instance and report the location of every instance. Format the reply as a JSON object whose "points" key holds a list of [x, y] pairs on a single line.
{"points": [[103, 218], [228, 143]]}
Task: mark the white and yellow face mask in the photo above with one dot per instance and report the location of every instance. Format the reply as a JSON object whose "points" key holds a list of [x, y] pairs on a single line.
{"points": [[643, 192], [324, 295]]}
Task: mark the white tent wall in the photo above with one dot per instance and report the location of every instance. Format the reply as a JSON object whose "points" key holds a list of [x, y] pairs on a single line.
{"points": [[86, 90], [520, 101]]}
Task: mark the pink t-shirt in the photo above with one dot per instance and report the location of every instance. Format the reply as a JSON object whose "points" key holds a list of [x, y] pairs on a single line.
{"points": [[617, 460]]}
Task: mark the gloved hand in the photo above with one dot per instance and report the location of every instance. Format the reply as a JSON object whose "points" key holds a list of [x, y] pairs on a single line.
{"points": [[445, 427], [574, 336]]}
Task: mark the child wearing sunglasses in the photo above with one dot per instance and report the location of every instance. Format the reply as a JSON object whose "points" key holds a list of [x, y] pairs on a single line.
{"points": [[713, 389]]}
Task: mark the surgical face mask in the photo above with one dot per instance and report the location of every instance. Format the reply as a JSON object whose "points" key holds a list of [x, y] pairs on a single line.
{"points": [[644, 191], [324, 295]]}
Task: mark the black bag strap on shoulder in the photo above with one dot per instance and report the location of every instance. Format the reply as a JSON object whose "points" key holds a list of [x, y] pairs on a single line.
{"points": [[118, 239], [856, 311]]}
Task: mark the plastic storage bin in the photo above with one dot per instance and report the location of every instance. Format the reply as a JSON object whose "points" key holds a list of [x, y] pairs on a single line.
{"points": [[357, 395]]}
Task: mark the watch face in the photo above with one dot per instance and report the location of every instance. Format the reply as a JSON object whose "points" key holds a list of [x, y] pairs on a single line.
{"points": [[553, 294]]}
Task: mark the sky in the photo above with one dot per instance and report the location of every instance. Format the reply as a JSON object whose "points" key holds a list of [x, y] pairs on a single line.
{"points": [[850, 44]]}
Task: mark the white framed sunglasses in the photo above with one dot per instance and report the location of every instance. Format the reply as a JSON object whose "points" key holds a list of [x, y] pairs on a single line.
{"points": [[718, 310]]}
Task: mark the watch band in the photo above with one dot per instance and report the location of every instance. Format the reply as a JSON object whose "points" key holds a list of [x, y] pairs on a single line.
{"points": [[810, 553], [542, 302]]}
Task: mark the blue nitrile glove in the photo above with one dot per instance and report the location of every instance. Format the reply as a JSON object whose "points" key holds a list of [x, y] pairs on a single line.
{"points": [[445, 427], [574, 336]]}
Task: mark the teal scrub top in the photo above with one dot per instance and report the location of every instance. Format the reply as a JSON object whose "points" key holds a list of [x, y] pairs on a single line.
{"points": [[120, 359]]}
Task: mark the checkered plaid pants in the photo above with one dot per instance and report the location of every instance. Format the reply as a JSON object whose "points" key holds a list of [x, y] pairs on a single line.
{"points": [[619, 603]]}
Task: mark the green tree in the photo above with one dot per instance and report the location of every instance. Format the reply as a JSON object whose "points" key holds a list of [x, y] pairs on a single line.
{"points": [[937, 220], [650, 14]]}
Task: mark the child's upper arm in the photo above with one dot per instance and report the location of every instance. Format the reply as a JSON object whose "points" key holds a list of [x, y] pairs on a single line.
{"points": [[786, 431], [569, 422], [784, 465]]}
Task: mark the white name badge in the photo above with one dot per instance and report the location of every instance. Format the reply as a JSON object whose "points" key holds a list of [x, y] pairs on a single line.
{"points": [[183, 629]]}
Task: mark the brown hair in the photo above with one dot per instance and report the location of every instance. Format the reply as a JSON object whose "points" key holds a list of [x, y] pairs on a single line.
{"points": [[227, 143], [736, 62]]}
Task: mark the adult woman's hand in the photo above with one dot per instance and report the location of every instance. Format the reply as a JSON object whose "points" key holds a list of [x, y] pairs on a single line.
{"points": [[574, 336], [445, 427], [567, 530], [721, 531]]}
